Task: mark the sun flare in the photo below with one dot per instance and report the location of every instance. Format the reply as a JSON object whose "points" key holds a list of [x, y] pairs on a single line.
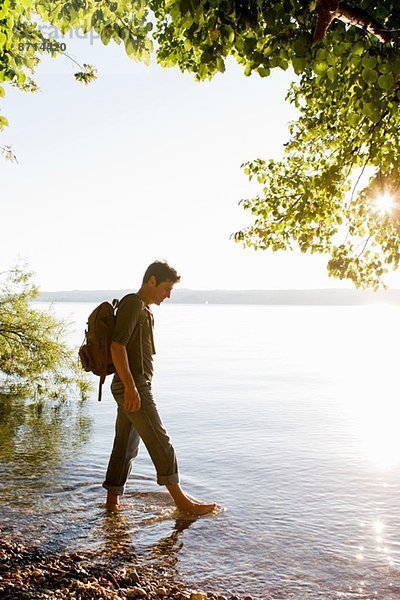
{"points": [[384, 202]]}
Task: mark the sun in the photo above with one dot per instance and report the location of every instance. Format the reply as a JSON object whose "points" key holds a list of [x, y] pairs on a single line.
{"points": [[384, 202]]}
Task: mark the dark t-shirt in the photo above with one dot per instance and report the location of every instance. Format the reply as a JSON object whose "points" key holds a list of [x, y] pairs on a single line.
{"points": [[134, 329]]}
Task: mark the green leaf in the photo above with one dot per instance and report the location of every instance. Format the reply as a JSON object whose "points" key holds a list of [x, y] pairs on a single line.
{"points": [[247, 70], [395, 66], [369, 75], [283, 64], [355, 60], [298, 64], [385, 67], [105, 35], [358, 48], [220, 65], [369, 109], [386, 82], [369, 62], [339, 49], [353, 119], [320, 68], [300, 46], [322, 55], [3, 123], [263, 72], [130, 47], [249, 45], [331, 72]]}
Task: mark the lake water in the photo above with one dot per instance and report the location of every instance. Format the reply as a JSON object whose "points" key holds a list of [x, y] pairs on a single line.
{"points": [[286, 416]]}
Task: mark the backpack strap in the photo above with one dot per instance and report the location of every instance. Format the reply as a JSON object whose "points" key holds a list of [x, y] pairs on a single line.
{"points": [[102, 380], [139, 326], [114, 304]]}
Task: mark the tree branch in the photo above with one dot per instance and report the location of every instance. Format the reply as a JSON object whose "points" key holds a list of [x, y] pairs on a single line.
{"points": [[364, 247], [328, 10]]}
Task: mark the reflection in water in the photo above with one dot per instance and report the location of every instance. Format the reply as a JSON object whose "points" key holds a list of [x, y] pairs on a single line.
{"points": [[35, 439], [117, 532], [42, 434], [167, 548]]}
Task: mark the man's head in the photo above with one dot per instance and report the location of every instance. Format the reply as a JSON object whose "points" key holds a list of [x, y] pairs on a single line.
{"points": [[158, 281]]}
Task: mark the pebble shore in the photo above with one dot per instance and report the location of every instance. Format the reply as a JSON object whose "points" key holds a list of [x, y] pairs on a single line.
{"points": [[28, 573]]}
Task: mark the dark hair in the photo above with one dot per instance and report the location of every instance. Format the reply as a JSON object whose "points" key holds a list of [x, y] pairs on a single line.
{"points": [[161, 271]]}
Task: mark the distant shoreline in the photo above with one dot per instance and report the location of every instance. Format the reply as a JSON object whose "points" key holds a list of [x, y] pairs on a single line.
{"points": [[335, 297]]}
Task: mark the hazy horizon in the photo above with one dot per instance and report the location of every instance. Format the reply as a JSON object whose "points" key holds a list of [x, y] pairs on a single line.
{"points": [[225, 289], [327, 296]]}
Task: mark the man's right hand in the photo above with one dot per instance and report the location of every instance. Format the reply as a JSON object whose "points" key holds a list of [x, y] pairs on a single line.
{"points": [[121, 363], [132, 401]]}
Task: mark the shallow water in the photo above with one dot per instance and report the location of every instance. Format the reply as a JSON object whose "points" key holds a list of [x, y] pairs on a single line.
{"points": [[286, 416]]}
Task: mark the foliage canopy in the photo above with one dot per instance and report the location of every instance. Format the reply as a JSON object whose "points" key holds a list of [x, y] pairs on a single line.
{"points": [[347, 61]]}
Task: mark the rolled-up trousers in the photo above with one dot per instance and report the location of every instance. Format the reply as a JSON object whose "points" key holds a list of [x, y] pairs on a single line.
{"points": [[130, 427]]}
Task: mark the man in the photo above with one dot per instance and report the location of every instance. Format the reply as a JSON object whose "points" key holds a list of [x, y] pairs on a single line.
{"points": [[132, 350]]}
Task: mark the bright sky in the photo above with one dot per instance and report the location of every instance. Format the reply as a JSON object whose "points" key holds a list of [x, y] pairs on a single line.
{"points": [[143, 163]]}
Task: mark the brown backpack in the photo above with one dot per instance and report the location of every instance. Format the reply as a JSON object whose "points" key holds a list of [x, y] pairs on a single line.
{"points": [[95, 353]]}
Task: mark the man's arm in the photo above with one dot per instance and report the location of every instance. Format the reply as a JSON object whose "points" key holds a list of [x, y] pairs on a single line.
{"points": [[120, 360]]}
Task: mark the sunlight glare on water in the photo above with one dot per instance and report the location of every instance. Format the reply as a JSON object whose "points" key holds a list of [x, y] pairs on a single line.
{"points": [[371, 380]]}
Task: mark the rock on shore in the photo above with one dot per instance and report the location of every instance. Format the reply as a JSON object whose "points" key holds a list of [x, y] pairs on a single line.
{"points": [[27, 573]]}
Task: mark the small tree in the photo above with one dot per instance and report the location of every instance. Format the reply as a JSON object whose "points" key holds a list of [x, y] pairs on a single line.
{"points": [[35, 360]]}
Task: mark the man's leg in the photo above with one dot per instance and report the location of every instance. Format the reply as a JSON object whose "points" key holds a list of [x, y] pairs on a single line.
{"points": [[148, 424], [125, 449]]}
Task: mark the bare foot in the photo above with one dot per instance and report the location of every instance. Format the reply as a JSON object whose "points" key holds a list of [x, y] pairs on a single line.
{"points": [[112, 502], [188, 504], [197, 508]]}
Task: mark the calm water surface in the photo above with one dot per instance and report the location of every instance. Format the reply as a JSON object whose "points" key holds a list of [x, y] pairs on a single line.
{"points": [[287, 416]]}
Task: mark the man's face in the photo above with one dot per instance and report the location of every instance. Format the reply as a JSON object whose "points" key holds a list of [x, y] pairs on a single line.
{"points": [[162, 291]]}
